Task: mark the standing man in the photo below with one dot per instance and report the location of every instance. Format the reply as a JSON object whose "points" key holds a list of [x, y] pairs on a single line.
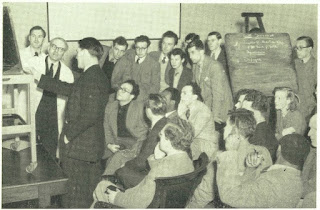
{"points": [[112, 55], [212, 79], [179, 75], [140, 67], [168, 41], [50, 107], [306, 67], [82, 140], [36, 37]]}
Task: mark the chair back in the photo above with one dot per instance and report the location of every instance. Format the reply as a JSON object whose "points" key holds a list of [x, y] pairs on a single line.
{"points": [[174, 192]]}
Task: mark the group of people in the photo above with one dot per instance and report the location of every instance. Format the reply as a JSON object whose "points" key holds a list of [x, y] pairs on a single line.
{"points": [[133, 116]]}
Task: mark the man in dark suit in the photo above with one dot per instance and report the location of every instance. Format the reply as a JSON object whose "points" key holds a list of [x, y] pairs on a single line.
{"points": [[133, 172], [168, 41], [179, 75], [82, 137], [140, 67], [112, 54]]}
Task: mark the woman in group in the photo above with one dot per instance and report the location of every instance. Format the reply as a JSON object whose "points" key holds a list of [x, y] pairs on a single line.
{"points": [[289, 118]]}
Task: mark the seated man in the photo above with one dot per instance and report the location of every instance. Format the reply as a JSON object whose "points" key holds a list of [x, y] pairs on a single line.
{"points": [[140, 67], [179, 75], [170, 158], [278, 186], [136, 169], [257, 102], [239, 127], [124, 127], [309, 172]]}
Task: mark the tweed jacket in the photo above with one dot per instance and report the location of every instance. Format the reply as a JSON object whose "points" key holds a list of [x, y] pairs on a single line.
{"points": [[215, 88], [141, 195], [87, 99], [156, 56], [106, 50], [145, 74], [136, 169], [278, 186], [185, 78], [134, 123]]}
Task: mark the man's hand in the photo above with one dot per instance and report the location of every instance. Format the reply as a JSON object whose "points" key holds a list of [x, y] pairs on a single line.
{"points": [[33, 71], [113, 147], [218, 120], [99, 193], [158, 153], [112, 195], [254, 159], [65, 139]]}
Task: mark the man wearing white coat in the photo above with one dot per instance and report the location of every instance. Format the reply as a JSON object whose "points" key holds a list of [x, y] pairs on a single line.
{"points": [[49, 107]]}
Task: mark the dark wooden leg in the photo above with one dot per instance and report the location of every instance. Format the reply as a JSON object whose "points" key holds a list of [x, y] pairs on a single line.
{"points": [[44, 196]]}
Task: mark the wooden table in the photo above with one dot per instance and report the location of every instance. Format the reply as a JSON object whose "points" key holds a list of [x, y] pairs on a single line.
{"points": [[46, 180]]}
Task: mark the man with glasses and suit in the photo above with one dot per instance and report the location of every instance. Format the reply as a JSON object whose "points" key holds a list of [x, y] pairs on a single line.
{"points": [[306, 67]]}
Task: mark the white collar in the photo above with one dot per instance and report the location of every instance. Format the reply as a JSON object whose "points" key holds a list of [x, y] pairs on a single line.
{"points": [[140, 59]]}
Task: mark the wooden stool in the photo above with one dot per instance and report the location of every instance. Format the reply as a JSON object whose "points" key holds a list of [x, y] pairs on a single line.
{"points": [[258, 15]]}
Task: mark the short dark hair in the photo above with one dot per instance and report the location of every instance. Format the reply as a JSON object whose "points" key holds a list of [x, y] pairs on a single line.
{"points": [[142, 38], [178, 51], [196, 43], [192, 36], [215, 33], [255, 30], [175, 95], [170, 34], [240, 93], [244, 121], [92, 45], [196, 90], [294, 98], [157, 104], [180, 133], [38, 28], [120, 40], [135, 88], [259, 101], [307, 39]]}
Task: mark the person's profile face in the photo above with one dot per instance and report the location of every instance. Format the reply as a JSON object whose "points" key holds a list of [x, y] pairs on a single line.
{"points": [[141, 49], [56, 50], [36, 39], [195, 55], [303, 51], [313, 130], [118, 51], [167, 45], [80, 58], [213, 43]]}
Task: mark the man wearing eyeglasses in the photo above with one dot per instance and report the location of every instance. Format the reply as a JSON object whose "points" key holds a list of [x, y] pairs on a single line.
{"points": [[49, 107], [124, 127], [306, 67], [140, 67]]}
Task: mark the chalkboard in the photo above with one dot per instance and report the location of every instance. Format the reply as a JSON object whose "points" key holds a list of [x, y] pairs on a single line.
{"points": [[11, 56], [260, 61]]}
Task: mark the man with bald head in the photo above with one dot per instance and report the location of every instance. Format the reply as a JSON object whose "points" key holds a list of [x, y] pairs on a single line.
{"points": [[49, 107]]}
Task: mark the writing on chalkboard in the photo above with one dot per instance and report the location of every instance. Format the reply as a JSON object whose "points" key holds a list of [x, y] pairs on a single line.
{"points": [[260, 61]]}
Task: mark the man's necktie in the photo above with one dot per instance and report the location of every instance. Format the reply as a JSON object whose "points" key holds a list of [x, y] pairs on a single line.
{"points": [[164, 59], [138, 60], [51, 71], [188, 113], [36, 54]]}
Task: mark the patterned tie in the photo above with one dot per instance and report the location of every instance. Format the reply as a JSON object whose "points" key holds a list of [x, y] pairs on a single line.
{"points": [[164, 60], [36, 54]]}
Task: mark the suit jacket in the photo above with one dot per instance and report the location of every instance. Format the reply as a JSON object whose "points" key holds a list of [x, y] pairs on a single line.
{"points": [[134, 123], [215, 88], [84, 114], [136, 169], [156, 56], [106, 50], [145, 74], [185, 78], [141, 195], [205, 136]]}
